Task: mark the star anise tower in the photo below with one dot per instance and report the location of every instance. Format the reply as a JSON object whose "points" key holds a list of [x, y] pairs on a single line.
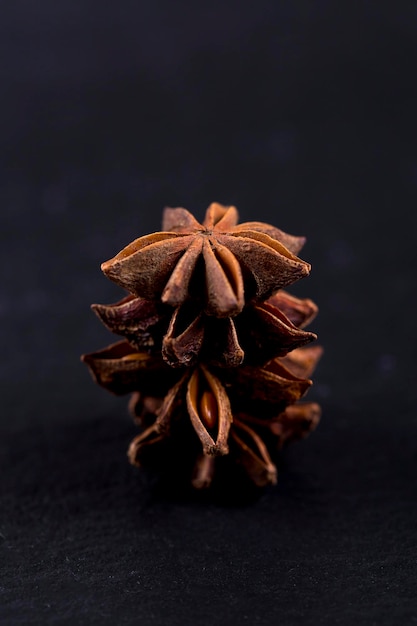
{"points": [[214, 354]]}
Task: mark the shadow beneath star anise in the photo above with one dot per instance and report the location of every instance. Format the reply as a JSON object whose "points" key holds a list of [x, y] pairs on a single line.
{"points": [[230, 488]]}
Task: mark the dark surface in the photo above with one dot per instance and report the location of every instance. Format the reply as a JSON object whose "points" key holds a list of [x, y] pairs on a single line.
{"points": [[302, 114]]}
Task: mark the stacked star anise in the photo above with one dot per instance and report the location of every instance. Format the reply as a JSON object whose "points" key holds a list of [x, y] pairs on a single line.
{"points": [[214, 352]]}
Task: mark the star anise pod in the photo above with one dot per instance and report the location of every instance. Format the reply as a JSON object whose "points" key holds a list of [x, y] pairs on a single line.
{"points": [[222, 405], [214, 354], [219, 263], [186, 335], [253, 440]]}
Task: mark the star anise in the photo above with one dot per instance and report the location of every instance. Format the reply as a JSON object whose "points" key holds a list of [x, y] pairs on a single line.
{"points": [[218, 263], [187, 335], [222, 406], [214, 355]]}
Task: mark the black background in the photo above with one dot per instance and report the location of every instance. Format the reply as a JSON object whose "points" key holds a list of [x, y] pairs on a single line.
{"points": [[302, 114]]}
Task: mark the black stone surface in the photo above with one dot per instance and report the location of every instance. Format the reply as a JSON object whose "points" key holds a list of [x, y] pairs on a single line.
{"points": [[303, 114]]}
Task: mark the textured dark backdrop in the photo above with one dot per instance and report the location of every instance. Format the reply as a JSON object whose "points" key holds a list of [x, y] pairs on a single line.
{"points": [[302, 114]]}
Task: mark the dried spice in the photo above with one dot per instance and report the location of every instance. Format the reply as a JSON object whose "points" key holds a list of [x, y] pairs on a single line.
{"points": [[219, 263], [215, 401], [214, 353], [187, 335]]}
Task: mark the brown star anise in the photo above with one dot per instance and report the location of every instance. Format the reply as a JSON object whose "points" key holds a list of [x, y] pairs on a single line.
{"points": [[214, 352], [187, 335], [219, 263], [222, 405]]}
